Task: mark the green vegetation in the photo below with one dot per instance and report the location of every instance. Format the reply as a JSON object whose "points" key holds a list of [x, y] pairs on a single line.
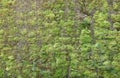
{"points": [[59, 38]]}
